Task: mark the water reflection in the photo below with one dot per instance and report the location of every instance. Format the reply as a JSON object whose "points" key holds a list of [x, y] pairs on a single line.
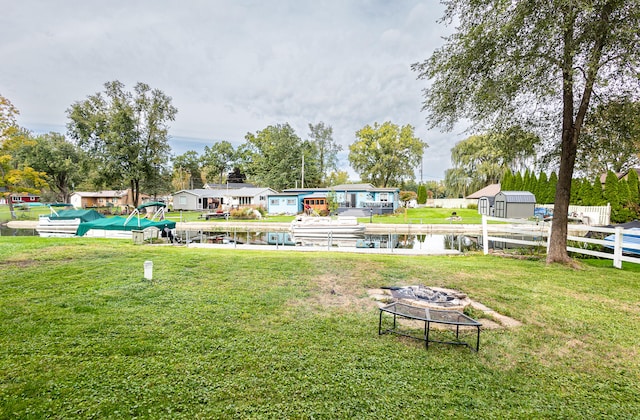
{"points": [[430, 243], [5, 231]]}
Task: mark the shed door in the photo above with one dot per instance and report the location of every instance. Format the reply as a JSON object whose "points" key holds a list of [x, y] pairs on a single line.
{"points": [[500, 208], [353, 200]]}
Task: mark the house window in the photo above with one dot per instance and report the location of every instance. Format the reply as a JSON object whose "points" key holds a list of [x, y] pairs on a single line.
{"points": [[384, 197], [274, 201], [262, 198], [291, 202]]}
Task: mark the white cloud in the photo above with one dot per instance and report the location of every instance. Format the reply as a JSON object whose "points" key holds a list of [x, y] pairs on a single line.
{"points": [[231, 67]]}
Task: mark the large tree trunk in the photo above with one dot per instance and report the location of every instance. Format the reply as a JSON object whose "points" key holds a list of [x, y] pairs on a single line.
{"points": [[558, 240], [571, 127]]}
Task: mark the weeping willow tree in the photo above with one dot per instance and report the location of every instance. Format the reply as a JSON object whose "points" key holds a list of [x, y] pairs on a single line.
{"points": [[481, 160]]}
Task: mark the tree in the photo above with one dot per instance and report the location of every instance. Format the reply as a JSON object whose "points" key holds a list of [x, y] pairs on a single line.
{"points": [[422, 194], [483, 159], [321, 137], [385, 154], [337, 178], [218, 158], [186, 170], [406, 196], [458, 182], [531, 62], [610, 138], [274, 157], [15, 177], [64, 163], [236, 176], [126, 133], [634, 188]]}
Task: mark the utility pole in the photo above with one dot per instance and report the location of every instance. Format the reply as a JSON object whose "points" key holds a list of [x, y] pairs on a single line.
{"points": [[302, 171]]}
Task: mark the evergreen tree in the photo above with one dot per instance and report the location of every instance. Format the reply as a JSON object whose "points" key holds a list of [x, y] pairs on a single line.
{"points": [[518, 183], [422, 194], [623, 193], [576, 191], [551, 187], [634, 188], [595, 197], [507, 180], [611, 195], [542, 195]]}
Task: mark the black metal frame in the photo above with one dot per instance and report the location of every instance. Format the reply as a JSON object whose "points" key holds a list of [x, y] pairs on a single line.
{"points": [[411, 313]]}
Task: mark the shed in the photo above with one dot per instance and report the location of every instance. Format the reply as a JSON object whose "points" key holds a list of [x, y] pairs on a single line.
{"points": [[485, 205], [514, 204]]}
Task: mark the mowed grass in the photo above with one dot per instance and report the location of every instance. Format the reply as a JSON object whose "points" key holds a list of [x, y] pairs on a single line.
{"points": [[249, 334], [423, 215]]}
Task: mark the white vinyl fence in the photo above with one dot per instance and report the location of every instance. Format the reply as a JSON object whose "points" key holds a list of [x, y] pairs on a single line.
{"points": [[539, 233]]}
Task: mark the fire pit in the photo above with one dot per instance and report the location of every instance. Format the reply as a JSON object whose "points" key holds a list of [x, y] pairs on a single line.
{"points": [[430, 297]]}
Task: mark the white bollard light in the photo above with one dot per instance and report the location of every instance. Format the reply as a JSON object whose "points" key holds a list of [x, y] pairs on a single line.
{"points": [[148, 270]]}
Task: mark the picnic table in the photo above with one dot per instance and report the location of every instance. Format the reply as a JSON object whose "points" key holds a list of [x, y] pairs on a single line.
{"points": [[429, 316]]}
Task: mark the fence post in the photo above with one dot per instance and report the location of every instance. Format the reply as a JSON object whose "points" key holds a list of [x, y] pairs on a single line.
{"points": [[485, 233], [617, 249]]}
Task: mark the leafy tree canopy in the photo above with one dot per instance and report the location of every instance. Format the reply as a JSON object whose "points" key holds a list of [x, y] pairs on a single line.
{"points": [[321, 137], [218, 159], [274, 157], [64, 163], [386, 154], [125, 132], [611, 138], [15, 176]]}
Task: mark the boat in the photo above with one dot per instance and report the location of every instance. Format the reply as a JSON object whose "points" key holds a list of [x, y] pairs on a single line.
{"points": [[313, 230], [65, 222], [123, 228], [630, 241]]}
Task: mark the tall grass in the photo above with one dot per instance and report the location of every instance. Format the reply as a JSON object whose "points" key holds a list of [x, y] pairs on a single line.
{"points": [[247, 334]]}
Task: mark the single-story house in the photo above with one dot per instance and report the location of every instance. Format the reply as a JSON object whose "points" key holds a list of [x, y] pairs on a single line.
{"points": [[353, 199], [514, 204], [110, 198], [283, 203], [22, 198], [208, 199]]}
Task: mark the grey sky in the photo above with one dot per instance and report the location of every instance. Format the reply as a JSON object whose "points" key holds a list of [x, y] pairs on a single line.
{"points": [[231, 67]]}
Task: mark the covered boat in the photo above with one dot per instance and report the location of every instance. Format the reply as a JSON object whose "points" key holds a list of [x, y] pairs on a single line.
{"points": [[630, 241], [120, 227], [315, 230], [64, 223]]}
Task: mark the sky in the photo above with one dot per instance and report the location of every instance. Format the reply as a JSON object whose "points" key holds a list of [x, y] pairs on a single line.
{"points": [[230, 67]]}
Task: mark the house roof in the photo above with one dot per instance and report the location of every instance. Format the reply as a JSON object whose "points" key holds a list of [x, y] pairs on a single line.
{"points": [[239, 192], [518, 196], [620, 175], [317, 194], [230, 185], [343, 187], [488, 191], [101, 194]]}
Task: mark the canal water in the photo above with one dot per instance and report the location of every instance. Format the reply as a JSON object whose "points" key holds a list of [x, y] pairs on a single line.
{"points": [[428, 243]]}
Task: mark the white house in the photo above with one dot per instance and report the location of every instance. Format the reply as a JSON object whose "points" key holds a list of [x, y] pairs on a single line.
{"points": [[208, 199]]}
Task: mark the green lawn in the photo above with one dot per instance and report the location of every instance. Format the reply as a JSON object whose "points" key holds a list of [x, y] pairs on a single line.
{"points": [[418, 215], [247, 334]]}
